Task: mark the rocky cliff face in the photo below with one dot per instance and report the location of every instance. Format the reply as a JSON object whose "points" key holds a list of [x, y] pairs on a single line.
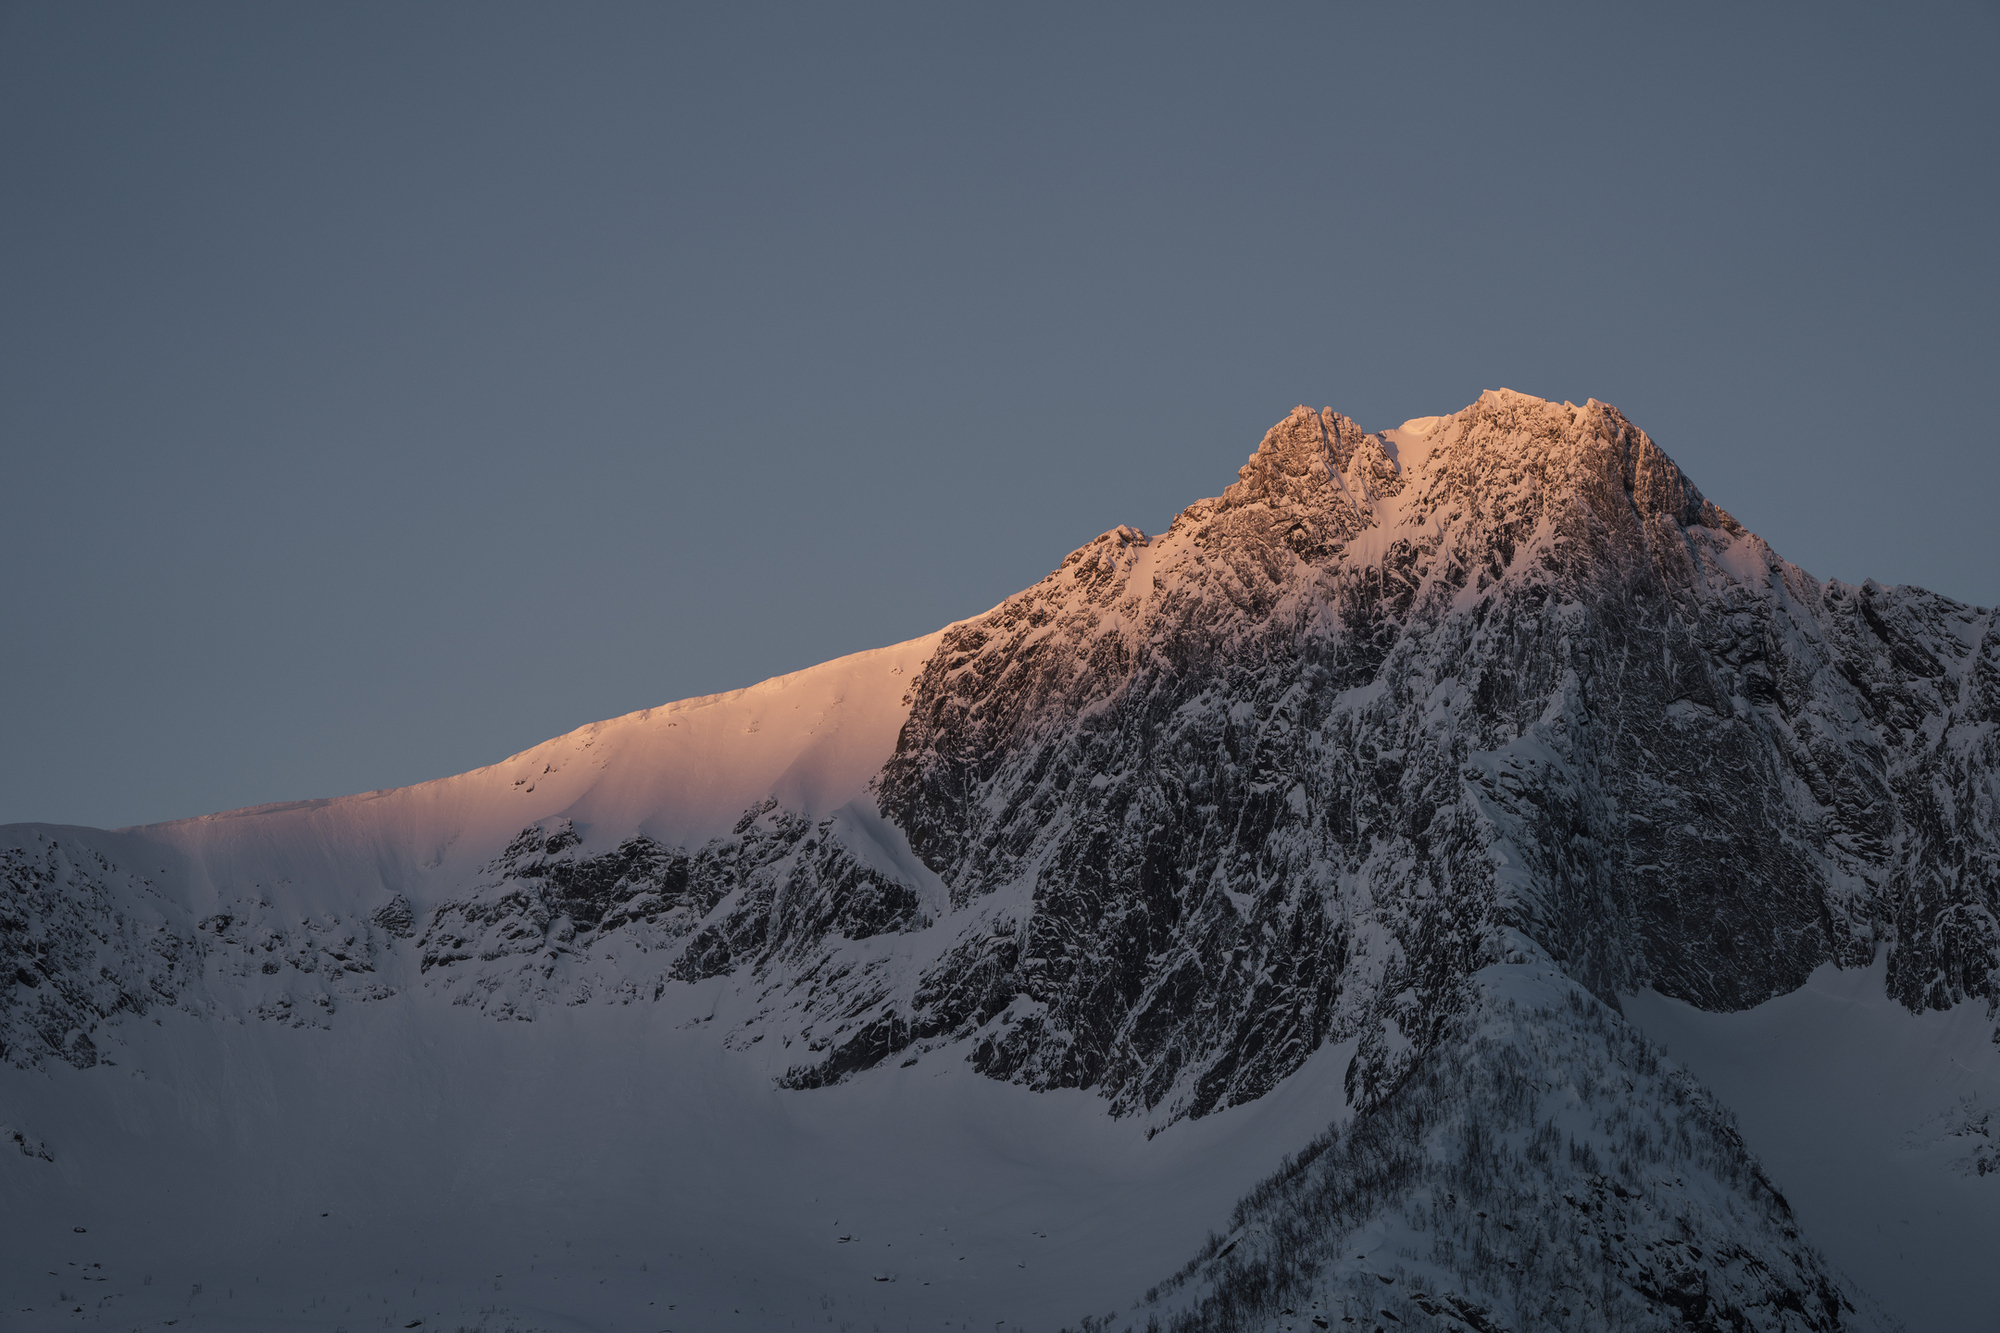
{"points": [[1285, 770]]}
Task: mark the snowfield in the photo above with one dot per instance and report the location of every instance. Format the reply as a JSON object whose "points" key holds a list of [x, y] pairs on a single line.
{"points": [[681, 773], [609, 1168]]}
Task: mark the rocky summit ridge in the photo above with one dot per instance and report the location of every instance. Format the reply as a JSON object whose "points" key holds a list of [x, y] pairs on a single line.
{"points": [[1494, 689]]}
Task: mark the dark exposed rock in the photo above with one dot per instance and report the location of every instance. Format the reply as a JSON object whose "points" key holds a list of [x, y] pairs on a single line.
{"points": [[397, 917], [775, 891], [75, 950], [84, 941]]}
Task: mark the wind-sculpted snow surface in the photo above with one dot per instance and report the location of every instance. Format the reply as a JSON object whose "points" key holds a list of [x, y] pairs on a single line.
{"points": [[578, 870], [1393, 708]]}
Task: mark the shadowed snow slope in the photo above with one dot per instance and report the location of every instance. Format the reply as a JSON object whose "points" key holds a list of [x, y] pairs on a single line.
{"points": [[611, 1169], [1881, 1126], [1230, 832]]}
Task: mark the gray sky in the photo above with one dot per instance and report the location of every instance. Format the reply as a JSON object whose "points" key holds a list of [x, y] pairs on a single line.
{"points": [[385, 389]]}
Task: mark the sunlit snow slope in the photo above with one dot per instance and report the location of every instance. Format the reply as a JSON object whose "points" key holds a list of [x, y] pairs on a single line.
{"points": [[681, 773]]}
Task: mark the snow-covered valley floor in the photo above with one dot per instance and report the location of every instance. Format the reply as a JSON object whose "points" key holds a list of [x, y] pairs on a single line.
{"points": [[1874, 1122], [600, 1168]]}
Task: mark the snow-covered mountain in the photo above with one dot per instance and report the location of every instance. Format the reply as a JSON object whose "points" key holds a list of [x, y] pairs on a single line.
{"points": [[1416, 753]]}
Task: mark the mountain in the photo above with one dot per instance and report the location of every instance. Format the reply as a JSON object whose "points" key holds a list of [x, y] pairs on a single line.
{"points": [[1428, 749]]}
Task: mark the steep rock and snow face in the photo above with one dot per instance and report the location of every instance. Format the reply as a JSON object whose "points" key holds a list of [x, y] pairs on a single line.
{"points": [[1282, 772]]}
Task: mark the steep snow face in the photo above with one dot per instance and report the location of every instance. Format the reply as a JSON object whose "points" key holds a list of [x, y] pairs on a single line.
{"points": [[680, 773]]}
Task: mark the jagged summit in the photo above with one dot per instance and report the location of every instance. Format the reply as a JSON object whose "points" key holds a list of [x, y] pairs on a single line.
{"points": [[1307, 446], [1506, 395], [1504, 455], [1526, 591]]}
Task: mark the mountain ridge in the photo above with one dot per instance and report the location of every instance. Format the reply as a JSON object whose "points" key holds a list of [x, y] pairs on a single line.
{"points": [[1494, 689], [1332, 535]]}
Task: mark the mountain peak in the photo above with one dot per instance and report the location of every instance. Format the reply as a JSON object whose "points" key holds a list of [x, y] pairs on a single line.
{"points": [[1409, 757], [1592, 452], [1299, 461], [1510, 396]]}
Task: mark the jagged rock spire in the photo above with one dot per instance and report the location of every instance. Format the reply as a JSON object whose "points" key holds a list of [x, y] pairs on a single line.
{"points": [[1299, 461], [1314, 478]]}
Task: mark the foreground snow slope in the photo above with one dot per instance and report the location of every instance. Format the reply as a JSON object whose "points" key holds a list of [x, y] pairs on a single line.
{"points": [[1545, 1167], [599, 1168]]}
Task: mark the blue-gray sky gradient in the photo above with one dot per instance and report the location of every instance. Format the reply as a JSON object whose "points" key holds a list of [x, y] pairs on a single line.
{"points": [[385, 389]]}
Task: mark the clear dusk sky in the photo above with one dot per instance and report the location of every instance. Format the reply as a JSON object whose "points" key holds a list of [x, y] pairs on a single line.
{"points": [[384, 389]]}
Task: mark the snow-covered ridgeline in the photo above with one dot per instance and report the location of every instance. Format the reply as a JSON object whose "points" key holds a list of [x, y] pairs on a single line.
{"points": [[287, 911], [1392, 710], [1165, 822]]}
